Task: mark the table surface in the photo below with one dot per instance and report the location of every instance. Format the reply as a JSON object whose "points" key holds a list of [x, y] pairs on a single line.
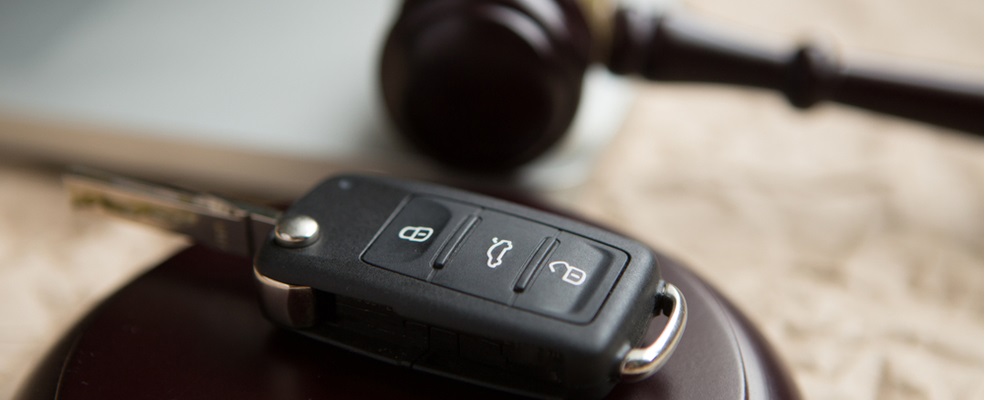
{"points": [[853, 241]]}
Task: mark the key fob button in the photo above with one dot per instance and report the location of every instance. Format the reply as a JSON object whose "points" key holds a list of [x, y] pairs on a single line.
{"points": [[411, 240], [488, 261], [574, 280]]}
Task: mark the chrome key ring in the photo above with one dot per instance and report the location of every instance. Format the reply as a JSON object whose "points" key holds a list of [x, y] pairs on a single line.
{"points": [[640, 363]]}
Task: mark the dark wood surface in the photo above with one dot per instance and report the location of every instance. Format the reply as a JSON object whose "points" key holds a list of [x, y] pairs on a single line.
{"points": [[191, 329]]}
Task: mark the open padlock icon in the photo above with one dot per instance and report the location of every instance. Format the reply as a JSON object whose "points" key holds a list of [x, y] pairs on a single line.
{"points": [[573, 275]]}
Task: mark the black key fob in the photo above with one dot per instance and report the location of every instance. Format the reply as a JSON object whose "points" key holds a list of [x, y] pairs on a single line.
{"points": [[468, 287]]}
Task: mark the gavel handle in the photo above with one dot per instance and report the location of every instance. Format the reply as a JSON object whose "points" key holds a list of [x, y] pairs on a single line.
{"points": [[662, 48]]}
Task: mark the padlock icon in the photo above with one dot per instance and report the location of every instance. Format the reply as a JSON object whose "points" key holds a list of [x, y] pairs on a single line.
{"points": [[415, 233], [573, 275]]}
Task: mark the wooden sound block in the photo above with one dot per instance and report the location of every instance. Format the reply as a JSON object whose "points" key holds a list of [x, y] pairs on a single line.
{"points": [[191, 328]]}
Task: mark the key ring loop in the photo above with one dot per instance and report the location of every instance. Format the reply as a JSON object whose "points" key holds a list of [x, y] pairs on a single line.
{"points": [[640, 363]]}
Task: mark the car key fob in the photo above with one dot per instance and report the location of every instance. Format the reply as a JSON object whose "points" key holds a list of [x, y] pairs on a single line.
{"points": [[465, 286], [454, 283]]}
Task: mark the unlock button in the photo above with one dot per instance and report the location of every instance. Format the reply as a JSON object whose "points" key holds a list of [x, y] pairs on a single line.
{"points": [[573, 281], [569, 273]]}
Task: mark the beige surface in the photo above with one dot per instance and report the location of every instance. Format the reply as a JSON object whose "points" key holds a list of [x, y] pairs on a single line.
{"points": [[857, 250], [854, 242], [55, 265]]}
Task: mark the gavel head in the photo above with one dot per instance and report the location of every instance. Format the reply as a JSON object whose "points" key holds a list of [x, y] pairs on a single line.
{"points": [[485, 85]]}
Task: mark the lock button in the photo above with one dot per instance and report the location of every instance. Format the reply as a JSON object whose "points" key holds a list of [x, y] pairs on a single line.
{"points": [[410, 241], [574, 280]]}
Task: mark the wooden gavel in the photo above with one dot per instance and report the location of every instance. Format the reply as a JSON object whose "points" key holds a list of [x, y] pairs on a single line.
{"points": [[491, 84]]}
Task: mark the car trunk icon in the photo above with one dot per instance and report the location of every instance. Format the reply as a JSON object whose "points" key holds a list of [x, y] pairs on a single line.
{"points": [[497, 251]]}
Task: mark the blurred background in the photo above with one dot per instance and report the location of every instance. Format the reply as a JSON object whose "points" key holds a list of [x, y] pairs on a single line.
{"points": [[256, 98], [854, 241]]}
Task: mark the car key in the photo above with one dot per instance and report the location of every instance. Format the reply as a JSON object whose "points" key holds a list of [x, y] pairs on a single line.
{"points": [[433, 278]]}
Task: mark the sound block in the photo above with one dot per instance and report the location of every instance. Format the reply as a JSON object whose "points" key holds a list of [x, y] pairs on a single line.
{"points": [[191, 328]]}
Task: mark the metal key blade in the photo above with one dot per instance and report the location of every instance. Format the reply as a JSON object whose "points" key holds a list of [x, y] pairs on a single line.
{"points": [[232, 226]]}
